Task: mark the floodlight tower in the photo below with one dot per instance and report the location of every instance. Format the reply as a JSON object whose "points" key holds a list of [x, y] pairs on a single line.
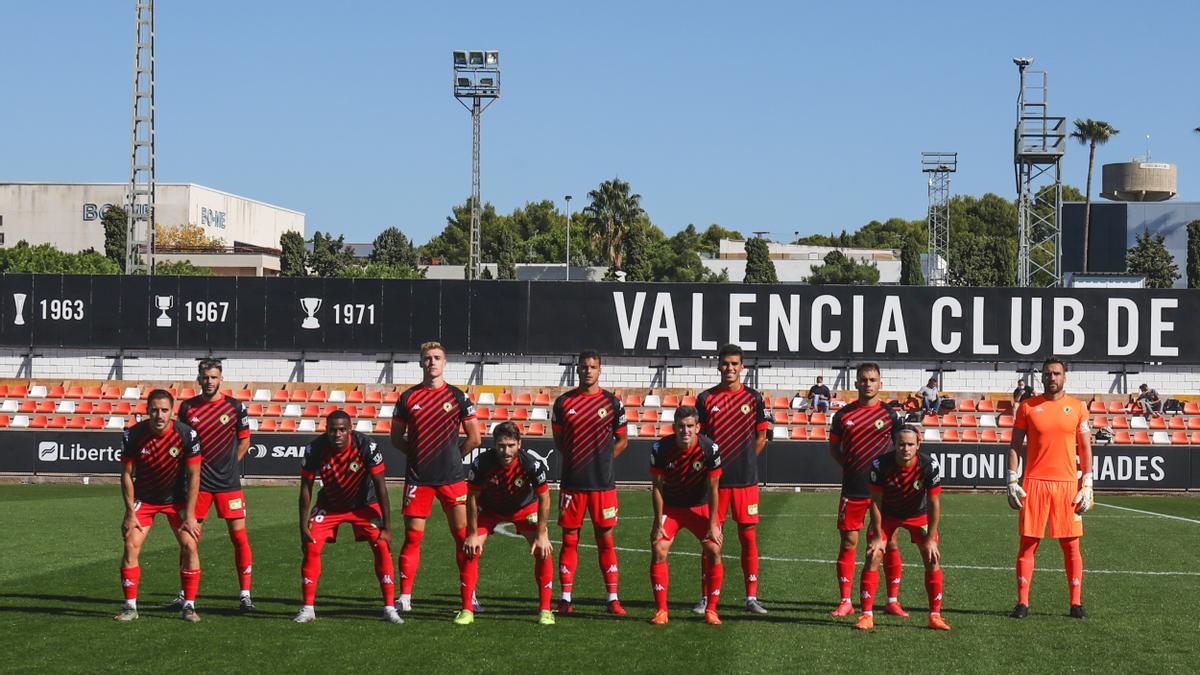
{"points": [[139, 196], [476, 78], [939, 166], [1039, 144]]}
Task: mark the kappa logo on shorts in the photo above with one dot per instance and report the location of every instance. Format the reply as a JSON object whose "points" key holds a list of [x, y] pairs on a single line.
{"points": [[752, 510], [235, 504], [745, 409], [610, 512], [447, 406]]}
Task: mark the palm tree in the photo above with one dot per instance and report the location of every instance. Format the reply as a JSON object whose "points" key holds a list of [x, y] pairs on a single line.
{"points": [[610, 216], [1091, 133]]}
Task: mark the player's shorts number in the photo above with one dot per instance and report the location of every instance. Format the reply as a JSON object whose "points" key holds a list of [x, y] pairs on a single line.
{"points": [[318, 515], [566, 501], [206, 312], [410, 493], [62, 309]]}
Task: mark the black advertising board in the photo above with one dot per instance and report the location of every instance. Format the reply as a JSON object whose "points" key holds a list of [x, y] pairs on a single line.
{"points": [[508, 317]]}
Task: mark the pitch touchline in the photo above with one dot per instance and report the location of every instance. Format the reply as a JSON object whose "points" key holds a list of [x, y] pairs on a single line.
{"points": [[506, 529], [1151, 513]]}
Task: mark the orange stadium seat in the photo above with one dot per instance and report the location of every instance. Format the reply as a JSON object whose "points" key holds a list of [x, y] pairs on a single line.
{"points": [[632, 415], [4, 421], [18, 391], [298, 396], [1193, 423], [38, 422], [665, 430], [391, 397], [1116, 407], [1140, 437], [317, 396], [483, 414], [523, 399], [45, 407], [650, 415], [288, 425], [254, 409], [633, 401], [373, 397], [541, 400], [988, 436], [1191, 408], [780, 417], [1179, 438], [970, 436], [799, 418], [930, 421], [499, 414], [56, 391], [94, 391], [187, 393], [240, 395], [320, 426], [1195, 436], [818, 434], [140, 407], [96, 422], [670, 401], [1177, 423], [311, 410], [520, 414], [647, 431], [818, 419], [383, 427], [27, 407], [689, 400], [103, 408], [1006, 421], [798, 434], [950, 420], [968, 421], [267, 425], [355, 396], [1120, 422], [368, 411], [280, 395], [3, 390], [1005, 435], [966, 405], [351, 410], [986, 406], [1101, 421], [780, 403], [328, 409], [1158, 423], [537, 429], [74, 392], [1096, 407], [227, 392], [504, 398], [1122, 438], [77, 422], [274, 410], [951, 435]]}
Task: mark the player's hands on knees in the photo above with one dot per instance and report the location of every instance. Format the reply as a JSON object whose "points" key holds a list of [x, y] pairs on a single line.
{"points": [[715, 535], [876, 546], [657, 534], [306, 536], [541, 547], [933, 553], [385, 535], [130, 523], [472, 546], [191, 527], [1015, 492]]}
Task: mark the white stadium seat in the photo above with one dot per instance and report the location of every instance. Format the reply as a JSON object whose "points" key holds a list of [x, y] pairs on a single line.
{"points": [[987, 421], [799, 403], [20, 422], [38, 391], [668, 415], [652, 401], [132, 393], [539, 415], [253, 424], [307, 425], [933, 435], [487, 398], [262, 394], [631, 430], [1138, 422], [363, 426], [387, 411], [9, 406], [115, 423], [291, 410], [1160, 438], [67, 407], [337, 396], [779, 433]]}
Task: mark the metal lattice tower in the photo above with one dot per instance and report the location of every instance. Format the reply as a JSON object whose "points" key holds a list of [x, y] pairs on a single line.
{"points": [[1039, 144], [939, 166], [139, 197], [476, 77]]}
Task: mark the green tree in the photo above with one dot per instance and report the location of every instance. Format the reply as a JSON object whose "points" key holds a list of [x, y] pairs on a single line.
{"points": [[759, 267], [506, 254], [1150, 258], [638, 255], [1091, 133], [1193, 253], [377, 270], [910, 263], [839, 269], [710, 240], [291, 260], [451, 246], [611, 213], [46, 259], [116, 232], [181, 268], [329, 256], [391, 247], [982, 260]]}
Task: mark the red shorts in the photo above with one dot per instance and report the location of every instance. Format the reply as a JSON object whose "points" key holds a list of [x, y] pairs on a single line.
{"points": [[524, 520], [1048, 502], [743, 500], [418, 499], [572, 504], [917, 526], [323, 525], [694, 519], [230, 505], [852, 514], [145, 513]]}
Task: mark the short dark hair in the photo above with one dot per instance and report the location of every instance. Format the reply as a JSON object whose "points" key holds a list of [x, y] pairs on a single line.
{"points": [[866, 366], [685, 411], [158, 394], [337, 415], [731, 350], [507, 430], [1052, 360], [915, 431], [588, 354], [209, 364], [820, 378]]}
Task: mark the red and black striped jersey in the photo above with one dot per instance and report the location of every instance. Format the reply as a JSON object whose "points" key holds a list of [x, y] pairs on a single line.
{"points": [[684, 472], [906, 490], [588, 425], [345, 483], [865, 433], [506, 489], [732, 418], [159, 459], [220, 424], [430, 419]]}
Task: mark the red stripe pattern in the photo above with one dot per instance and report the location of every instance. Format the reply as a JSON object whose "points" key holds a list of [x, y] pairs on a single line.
{"points": [[219, 425], [731, 419], [158, 460], [345, 483], [905, 490], [865, 433], [431, 420], [684, 472], [506, 489], [588, 425]]}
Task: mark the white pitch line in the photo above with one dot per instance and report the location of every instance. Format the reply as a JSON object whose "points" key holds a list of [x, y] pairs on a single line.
{"points": [[506, 529], [1150, 513]]}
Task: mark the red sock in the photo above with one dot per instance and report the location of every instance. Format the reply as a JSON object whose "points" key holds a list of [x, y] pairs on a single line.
{"points": [[845, 573], [1073, 565], [384, 571], [716, 576], [893, 568], [608, 561], [130, 576], [868, 585], [241, 556], [748, 536], [543, 573], [468, 568], [1025, 567], [933, 588], [410, 559], [659, 580], [310, 571], [189, 581], [568, 560], [704, 576]]}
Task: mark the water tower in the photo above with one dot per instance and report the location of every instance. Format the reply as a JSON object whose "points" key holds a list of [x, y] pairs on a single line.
{"points": [[1139, 181]]}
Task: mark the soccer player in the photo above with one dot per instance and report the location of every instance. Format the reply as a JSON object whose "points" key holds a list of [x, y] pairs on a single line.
{"points": [[1058, 481], [508, 485], [861, 432], [425, 428], [589, 431], [354, 492], [223, 427], [905, 493], [735, 418], [686, 469], [160, 473]]}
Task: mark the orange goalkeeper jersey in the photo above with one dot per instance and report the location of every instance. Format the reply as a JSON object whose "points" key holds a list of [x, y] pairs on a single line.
{"points": [[1052, 430]]}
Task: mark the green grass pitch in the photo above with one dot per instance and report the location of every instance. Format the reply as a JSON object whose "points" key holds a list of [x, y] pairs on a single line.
{"points": [[58, 587]]}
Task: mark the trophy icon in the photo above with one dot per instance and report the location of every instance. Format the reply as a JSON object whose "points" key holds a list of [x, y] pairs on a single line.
{"points": [[19, 300], [310, 307], [163, 303]]}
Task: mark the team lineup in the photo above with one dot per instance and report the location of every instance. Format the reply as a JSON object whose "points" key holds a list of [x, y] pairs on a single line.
{"points": [[703, 472]]}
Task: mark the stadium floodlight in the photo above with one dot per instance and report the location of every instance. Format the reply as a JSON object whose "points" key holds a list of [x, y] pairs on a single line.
{"points": [[476, 77], [1023, 61]]}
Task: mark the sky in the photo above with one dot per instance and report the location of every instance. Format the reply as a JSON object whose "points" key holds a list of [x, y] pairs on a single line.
{"points": [[783, 117]]}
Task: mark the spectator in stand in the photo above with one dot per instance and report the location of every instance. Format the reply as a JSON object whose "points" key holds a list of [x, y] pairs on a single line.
{"points": [[1019, 392], [1026, 393], [818, 396], [931, 401], [1151, 404]]}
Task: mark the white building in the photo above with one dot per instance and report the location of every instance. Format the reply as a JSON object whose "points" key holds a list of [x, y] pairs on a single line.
{"points": [[67, 216], [794, 262]]}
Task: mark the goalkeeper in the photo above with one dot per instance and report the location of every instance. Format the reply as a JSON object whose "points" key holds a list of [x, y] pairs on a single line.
{"points": [[1054, 493]]}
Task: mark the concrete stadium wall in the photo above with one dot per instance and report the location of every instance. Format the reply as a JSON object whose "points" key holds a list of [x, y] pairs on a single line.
{"points": [[544, 371]]}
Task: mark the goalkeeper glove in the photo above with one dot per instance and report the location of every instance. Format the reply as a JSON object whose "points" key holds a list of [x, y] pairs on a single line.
{"points": [[1085, 499], [1015, 493]]}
